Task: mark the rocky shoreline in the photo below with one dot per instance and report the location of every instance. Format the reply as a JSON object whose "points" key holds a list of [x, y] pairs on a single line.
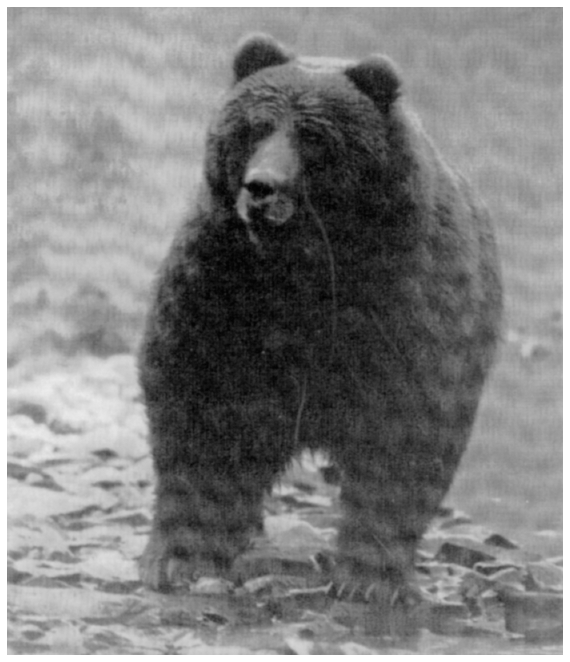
{"points": [[79, 501]]}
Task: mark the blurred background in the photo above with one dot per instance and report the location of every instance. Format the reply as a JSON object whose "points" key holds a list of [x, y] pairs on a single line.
{"points": [[107, 114]]}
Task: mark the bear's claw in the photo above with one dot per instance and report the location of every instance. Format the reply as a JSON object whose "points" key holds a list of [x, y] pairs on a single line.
{"points": [[164, 566]]}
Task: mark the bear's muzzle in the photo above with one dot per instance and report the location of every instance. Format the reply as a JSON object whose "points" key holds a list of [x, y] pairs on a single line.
{"points": [[260, 204], [266, 198]]}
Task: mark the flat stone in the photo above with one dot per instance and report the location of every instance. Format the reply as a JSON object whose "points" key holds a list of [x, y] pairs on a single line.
{"points": [[544, 576], [532, 613], [448, 618], [467, 555], [497, 540]]}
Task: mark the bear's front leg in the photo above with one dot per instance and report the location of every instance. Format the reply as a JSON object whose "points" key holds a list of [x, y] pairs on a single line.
{"points": [[204, 517], [389, 493], [212, 470]]}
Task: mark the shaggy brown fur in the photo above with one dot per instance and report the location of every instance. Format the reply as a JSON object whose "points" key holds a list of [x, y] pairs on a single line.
{"points": [[336, 288]]}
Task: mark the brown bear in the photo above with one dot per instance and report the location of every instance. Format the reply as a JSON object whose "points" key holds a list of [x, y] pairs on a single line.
{"points": [[335, 288]]}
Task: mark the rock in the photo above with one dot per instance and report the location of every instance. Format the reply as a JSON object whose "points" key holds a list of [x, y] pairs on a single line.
{"points": [[211, 586], [34, 410], [473, 584], [508, 577], [497, 540], [289, 532], [448, 618], [543, 576], [15, 576], [453, 518], [314, 599], [465, 555], [556, 560], [377, 621], [26, 438], [492, 568], [533, 614]]}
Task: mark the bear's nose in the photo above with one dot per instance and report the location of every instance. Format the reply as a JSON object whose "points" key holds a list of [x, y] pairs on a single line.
{"points": [[263, 200], [260, 186], [260, 204]]}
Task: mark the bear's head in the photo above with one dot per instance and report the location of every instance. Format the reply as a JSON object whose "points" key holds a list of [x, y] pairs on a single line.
{"points": [[306, 136]]}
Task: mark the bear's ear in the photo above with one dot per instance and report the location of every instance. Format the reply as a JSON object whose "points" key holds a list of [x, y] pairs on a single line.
{"points": [[378, 78], [257, 52]]}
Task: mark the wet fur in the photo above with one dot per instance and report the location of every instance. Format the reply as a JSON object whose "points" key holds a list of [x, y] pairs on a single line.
{"points": [[365, 327]]}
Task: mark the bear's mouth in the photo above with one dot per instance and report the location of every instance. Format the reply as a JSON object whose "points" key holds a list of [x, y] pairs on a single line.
{"points": [[264, 210]]}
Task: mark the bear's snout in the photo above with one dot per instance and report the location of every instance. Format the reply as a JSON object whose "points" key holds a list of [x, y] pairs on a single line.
{"points": [[260, 203], [267, 193]]}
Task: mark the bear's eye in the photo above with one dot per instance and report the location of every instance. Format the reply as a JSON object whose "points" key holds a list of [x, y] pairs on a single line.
{"points": [[311, 138], [322, 134], [318, 148]]}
